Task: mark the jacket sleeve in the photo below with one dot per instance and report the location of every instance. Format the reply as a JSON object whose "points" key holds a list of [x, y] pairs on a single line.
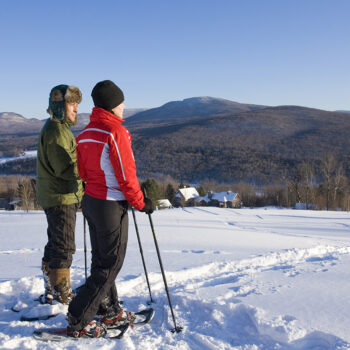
{"points": [[62, 158], [122, 159]]}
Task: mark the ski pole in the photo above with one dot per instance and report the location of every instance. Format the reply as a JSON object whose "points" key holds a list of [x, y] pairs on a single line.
{"points": [[85, 248], [176, 328], [141, 251]]}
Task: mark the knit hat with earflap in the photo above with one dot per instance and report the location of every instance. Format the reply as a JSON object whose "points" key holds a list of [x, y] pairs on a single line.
{"points": [[107, 95], [59, 95]]}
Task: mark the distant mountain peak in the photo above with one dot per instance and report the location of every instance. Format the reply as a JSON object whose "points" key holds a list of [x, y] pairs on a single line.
{"points": [[192, 107], [201, 99], [204, 99], [11, 117]]}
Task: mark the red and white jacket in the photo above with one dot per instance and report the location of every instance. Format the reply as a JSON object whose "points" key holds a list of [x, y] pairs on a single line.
{"points": [[105, 160]]}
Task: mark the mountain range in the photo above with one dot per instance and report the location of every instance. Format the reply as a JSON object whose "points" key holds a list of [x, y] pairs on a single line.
{"points": [[212, 138], [196, 107], [14, 124], [250, 143]]}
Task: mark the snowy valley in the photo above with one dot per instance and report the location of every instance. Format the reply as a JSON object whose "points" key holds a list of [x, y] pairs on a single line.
{"points": [[238, 278]]}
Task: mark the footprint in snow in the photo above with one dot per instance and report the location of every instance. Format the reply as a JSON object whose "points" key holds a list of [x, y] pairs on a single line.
{"points": [[198, 251]]}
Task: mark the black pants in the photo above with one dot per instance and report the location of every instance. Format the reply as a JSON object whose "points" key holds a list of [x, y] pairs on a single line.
{"points": [[60, 247], [108, 225]]}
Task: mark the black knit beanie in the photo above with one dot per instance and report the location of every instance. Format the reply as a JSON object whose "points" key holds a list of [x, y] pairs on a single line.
{"points": [[107, 95]]}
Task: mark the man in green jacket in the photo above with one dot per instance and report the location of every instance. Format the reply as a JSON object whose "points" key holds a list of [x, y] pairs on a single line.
{"points": [[59, 190]]}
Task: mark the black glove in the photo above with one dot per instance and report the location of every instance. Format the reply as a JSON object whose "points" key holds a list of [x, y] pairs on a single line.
{"points": [[149, 206]]}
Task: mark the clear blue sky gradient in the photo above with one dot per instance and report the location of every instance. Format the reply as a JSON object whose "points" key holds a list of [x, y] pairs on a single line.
{"points": [[269, 52]]}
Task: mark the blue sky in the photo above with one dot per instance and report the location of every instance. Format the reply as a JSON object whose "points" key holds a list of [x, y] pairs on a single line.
{"points": [[269, 52]]}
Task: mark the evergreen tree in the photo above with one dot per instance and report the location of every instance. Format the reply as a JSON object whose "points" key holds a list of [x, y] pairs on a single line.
{"points": [[184, 185], [152, 189], [201, 191], [170, 193]]}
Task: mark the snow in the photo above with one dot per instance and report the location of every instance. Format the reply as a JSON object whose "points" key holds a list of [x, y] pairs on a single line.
{"points": [[26, 154], [238, 279]]}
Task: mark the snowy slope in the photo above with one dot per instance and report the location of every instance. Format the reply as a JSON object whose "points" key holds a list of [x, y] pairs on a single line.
{"points": [[26, 154], [239, 279]]}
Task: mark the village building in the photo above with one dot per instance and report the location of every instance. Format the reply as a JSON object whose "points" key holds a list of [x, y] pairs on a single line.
{"points": [[203, 201], [3, 203], [164, 204], [188, 197], [185, 197], [220, 199], [225, 200], [6, 204], [15, 204]]}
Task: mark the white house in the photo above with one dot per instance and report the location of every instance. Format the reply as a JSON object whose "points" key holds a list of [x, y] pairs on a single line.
{"points": [[186, 196], [226, 199], [164, 204]]}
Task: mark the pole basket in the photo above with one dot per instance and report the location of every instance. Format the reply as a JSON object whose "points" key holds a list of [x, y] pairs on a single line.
{"points": [[177, 329]]}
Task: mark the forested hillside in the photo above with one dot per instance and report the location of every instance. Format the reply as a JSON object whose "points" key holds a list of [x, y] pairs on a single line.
{"points": [[260, 146], [207, 138]]}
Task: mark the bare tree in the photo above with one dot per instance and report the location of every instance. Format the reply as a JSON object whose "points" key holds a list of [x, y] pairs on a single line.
{"points": [[339, 185], [347, 201], [288, 187], [25, 192], [308, 182], [329, 168], [295, 185]]}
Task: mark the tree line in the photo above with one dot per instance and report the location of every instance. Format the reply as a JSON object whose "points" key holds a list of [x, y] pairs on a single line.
{"points": [[320, 186]]}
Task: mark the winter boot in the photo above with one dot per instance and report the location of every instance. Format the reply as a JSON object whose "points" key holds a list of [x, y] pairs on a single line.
{"points": [[119, 319], [60, 280], [109, 306], [93, 330], [105, 308], [47, 297]]}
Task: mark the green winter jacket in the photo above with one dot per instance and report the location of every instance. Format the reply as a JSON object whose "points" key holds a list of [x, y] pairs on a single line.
{"points": [[58, 182]]}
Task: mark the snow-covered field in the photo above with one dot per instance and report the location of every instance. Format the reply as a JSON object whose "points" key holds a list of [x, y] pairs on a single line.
{"points": [[238, 279]]}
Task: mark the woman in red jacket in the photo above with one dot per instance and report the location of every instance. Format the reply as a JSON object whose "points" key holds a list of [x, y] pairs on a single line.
{"points": [[106, 164]]}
